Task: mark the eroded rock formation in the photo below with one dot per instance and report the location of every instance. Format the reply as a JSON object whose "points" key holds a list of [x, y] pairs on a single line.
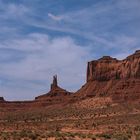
{"points": [[111, 77], [54, 84], [55, 91], [108, 68]]}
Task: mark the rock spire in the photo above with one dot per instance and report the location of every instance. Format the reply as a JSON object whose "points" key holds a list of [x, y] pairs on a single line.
{"points": [[54, 84]]}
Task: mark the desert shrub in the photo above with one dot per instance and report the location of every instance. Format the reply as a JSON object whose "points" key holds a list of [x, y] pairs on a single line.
{"points": [[82, 136], [72, 135], [5, 135], [138, 137], [33, 136], [93, 137], [23, 134], [122, 137], [15, 135], [61, 138], [57, 134], [137, 128], [106, 136]]}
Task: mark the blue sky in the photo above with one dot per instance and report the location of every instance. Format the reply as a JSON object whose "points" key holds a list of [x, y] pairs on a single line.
{"points": [[40, 38]]}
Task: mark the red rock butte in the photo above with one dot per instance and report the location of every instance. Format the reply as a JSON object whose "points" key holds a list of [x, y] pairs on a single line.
{"points": [[108, 76]]}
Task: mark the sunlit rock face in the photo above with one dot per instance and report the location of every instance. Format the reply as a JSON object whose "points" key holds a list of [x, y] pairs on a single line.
{"points": [[108, 68], [108, 76]]}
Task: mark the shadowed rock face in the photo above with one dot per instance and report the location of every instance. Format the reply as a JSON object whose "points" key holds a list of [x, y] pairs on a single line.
{"points": [[2, 99], [54, 84], [108, 68]]}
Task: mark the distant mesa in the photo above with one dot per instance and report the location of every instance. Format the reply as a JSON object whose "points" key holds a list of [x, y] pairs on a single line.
{"points": [[2, 99], [137, 52]]}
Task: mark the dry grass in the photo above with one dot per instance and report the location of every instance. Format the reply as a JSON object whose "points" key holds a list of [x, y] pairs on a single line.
{"points": [[88, 119]]}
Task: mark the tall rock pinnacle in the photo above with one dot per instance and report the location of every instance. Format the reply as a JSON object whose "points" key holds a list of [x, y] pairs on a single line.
{"points": [[55, 91], [54, 84]]}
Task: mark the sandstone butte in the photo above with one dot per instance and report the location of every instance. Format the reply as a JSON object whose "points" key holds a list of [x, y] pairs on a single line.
{"points": [[107, 76], [111, 77]]}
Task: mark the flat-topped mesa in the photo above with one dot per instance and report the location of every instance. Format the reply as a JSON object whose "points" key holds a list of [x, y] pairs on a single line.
{"points": [[2, 99], [100, 69], [108, 68]]}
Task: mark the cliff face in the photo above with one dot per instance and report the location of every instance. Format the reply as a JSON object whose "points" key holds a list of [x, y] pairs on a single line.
{"points": [[108, 68], [111, 77]]}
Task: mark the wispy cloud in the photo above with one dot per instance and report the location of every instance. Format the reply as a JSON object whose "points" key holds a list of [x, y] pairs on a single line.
{"points": [[11, 10], [54, 17], [98, 23]]}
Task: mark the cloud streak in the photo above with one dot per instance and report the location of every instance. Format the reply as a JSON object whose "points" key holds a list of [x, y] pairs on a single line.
{"points": [[54, 17]]}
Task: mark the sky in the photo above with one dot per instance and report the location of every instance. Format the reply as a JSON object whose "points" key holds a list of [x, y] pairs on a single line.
{"points": [[41, 38]]}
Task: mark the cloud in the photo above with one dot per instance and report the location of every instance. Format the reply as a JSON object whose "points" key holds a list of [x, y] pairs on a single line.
{"points": [[98, 23], [42, 57], [17, 10], [54, 17], [12, 11]]}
